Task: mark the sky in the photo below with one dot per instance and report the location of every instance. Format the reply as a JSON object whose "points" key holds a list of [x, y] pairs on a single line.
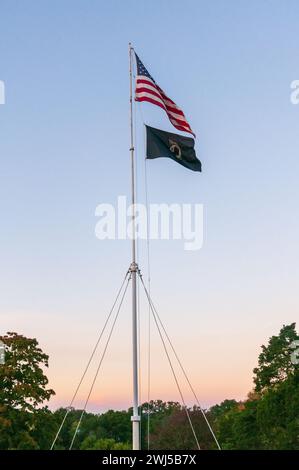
{"points": [[64, 149]]}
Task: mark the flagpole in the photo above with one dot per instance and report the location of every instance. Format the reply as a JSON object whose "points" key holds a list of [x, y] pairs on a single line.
{"points": [[135, 418]]}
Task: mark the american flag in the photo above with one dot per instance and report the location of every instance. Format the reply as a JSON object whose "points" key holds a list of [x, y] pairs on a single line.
{"points": [[148, 90]]}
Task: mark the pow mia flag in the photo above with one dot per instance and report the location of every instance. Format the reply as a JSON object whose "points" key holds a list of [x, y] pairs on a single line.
{"points": [[177, 147]]}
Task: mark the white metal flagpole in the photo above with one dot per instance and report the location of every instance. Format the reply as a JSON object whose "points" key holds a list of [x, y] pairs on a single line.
{"points": [[133, 269]]}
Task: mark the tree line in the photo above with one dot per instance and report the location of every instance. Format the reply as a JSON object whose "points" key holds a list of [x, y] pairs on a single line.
{"points": [[267, 419]]}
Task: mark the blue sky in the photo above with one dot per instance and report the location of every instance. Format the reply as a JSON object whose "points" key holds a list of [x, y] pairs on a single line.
{"points": [[64, 138]]}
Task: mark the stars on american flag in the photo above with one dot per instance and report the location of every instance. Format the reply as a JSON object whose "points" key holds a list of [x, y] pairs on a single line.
{"points": [[141, 70]]}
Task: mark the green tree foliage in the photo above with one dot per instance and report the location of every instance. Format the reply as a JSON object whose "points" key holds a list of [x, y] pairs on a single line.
{"points": [[69, 427], [274, 362], [217, 411], [91, 443], [278, 415], [269, 418], [23, 388], [116, 425], [244, 431], [22, 380], [112, 428]]}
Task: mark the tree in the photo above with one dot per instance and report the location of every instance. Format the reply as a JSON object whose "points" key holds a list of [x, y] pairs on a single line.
{"points": [[91, 443], [277, 415], [174, 431], [153, 414], [115, 425], [225, 406], [274, 362], [245, 431], [66, 433], [95, 430], [268, 419], [22, 380], [23, 389]]}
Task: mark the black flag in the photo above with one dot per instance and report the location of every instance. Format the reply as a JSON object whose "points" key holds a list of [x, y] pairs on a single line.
{"points": [[166, 144]]}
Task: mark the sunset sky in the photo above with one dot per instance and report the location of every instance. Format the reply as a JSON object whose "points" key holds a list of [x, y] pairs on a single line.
{"points": [[64, 140]]}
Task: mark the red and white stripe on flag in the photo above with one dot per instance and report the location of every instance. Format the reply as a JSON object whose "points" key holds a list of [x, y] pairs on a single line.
{"points": [[148, 90]]}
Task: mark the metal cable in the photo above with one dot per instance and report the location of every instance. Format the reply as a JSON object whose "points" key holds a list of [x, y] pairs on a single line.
{"points": [[99, 366], [188, 381], [171, 366], [184, 372], [89, 362]]}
